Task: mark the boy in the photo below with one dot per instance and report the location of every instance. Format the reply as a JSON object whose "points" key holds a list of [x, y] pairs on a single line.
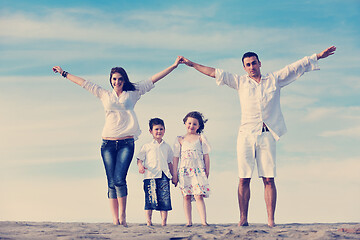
{"points": [[155, 162]]}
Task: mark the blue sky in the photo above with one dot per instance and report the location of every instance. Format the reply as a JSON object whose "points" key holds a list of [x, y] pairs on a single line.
{"points": [[51, 168]]}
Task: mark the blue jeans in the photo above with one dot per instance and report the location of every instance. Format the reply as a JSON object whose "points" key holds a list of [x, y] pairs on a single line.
{"points": [[117, 156]]}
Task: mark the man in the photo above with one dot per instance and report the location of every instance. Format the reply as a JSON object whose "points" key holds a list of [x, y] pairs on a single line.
{"points": [[262, 122]]}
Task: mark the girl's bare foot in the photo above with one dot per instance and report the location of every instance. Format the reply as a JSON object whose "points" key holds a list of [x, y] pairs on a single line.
{"points": [[271, 223], [123, 222]]}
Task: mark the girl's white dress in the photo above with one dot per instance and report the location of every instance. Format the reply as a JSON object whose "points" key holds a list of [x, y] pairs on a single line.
{"points": [[191, 168]]}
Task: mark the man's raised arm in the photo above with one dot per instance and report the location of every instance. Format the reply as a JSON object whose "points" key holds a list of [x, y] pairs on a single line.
{"points": [[209, 71], [327, 52]]}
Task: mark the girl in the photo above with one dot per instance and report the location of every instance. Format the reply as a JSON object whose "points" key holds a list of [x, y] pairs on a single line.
{"points": [[121, 129], [192, 171]]}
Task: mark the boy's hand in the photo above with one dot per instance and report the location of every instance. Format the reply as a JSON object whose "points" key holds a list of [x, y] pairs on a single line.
{"points": [[141, 168], [175, 180]]}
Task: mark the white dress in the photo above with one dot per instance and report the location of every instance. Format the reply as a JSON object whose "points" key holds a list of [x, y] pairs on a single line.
{"points": [[191, 168]]}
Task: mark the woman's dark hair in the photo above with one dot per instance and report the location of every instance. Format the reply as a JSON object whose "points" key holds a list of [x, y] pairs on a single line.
{"points": [[128, 86], [197, 116]]}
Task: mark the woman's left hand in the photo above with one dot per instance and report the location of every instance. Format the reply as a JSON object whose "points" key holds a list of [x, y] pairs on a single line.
{"points": [[57, 69]]}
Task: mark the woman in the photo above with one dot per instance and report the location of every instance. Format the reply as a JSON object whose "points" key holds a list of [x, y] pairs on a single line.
{"points": [[121, 129]]}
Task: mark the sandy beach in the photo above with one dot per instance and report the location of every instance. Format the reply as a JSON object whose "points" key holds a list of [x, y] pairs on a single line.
{"points": [[10, 230]]}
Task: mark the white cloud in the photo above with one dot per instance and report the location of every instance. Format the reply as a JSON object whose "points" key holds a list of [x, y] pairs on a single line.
{"points": [[297, 101], [318, 114], [349, 132], [176, 29], [349, 114]]}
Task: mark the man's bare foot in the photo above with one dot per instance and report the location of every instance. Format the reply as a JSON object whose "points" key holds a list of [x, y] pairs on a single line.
{"points": [[350, 230], [243, 224]]}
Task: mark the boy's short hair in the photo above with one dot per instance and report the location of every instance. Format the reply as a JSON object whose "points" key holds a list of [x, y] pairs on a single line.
{"points": [[156, 121]]}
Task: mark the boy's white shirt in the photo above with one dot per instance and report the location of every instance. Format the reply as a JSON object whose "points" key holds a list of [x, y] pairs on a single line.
{"points": [[156, 158]]}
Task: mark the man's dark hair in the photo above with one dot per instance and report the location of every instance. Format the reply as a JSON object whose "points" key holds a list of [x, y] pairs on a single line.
{"points": [[156, 121], [249, 54]]}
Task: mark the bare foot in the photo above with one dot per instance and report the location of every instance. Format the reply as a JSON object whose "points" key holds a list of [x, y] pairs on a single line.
{"points": [[123, 223], [271, 223], [116, 222], [349, 230], [205, 224], [149, 223], [243, 224]]}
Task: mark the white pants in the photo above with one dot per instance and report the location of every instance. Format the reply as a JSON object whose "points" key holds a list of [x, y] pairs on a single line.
{"points": [[259, 148]]}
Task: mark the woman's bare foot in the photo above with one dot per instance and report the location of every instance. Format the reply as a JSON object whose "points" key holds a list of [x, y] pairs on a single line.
{"points": [[124, 224], [123, 220]]}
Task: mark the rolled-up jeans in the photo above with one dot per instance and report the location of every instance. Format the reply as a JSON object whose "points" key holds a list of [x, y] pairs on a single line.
{"points": [[117, 156]]}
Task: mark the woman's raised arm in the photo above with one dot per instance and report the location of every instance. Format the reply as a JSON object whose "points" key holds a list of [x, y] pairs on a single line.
{"points": [[73, 78], [166, 71]]}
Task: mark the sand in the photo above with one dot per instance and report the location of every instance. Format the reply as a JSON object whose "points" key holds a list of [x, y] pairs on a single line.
{"points": [[99, 231]]}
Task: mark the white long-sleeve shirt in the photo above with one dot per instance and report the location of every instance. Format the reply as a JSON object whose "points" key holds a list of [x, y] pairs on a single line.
{"points": [[120, 117], [260, 102]]}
